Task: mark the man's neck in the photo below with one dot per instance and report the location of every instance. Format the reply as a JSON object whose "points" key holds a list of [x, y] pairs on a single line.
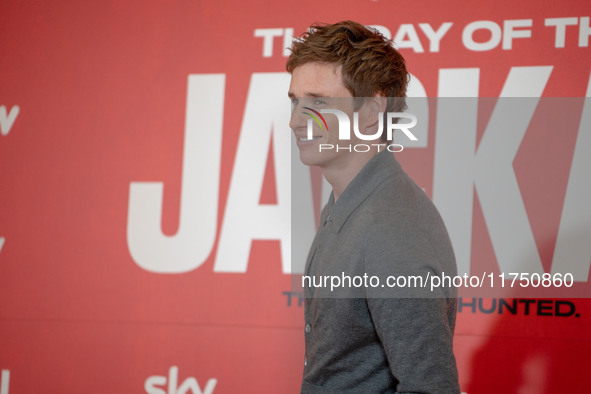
{"points": [[339, 175]]}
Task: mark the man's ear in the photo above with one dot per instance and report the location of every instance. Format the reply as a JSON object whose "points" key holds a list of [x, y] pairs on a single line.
{"points": [[381, 102], [373, 107]]}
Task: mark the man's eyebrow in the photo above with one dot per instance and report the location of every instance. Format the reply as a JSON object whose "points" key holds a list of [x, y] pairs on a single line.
{"points": [[291, 95]]}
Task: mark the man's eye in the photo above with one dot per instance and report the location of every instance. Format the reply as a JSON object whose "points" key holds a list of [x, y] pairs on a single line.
{"points": [[319, 102]]}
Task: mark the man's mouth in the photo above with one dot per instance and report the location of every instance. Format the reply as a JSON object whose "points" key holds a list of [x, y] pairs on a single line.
{"points": [[305, 139]]}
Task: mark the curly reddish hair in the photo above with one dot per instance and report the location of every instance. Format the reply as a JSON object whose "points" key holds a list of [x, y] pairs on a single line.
{"points": [[370, 63]]}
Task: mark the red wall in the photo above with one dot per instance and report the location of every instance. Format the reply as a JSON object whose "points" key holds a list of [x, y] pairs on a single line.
{"points": [[94, 99]]}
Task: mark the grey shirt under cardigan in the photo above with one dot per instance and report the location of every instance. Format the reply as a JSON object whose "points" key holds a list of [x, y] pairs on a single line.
{"points": [[379, 339]]}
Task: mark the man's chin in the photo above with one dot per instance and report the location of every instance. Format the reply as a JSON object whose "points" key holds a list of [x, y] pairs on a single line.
{"points": [[311, 158]]}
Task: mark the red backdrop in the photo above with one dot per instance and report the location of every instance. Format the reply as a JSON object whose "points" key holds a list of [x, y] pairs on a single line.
{"points": [[95, 105]]}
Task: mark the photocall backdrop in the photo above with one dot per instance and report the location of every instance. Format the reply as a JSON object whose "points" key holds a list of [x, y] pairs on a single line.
{"points": [[142, 146]]}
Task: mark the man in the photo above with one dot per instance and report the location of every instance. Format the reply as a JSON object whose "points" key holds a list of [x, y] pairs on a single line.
{"points": [[377, 223]]}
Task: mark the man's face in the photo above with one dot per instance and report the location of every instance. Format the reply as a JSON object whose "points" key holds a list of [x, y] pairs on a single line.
{"points": [[316, 85]]}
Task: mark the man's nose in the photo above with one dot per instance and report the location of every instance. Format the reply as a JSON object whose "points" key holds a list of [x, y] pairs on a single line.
{"points": [[297, 119]]}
